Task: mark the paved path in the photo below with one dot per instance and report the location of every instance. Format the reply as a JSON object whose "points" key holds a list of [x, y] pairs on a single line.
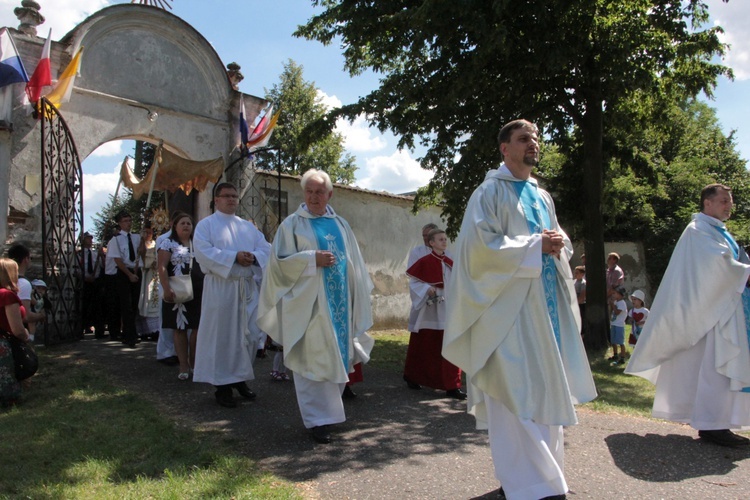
{"points": [[399, 443]]}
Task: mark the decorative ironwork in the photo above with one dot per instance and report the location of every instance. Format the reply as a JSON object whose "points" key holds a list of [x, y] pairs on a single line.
{"points": [[261, 197], [62, 226]]}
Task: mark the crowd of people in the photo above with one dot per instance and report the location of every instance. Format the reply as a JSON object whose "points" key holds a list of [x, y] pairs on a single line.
{"points": [[504, 310]]}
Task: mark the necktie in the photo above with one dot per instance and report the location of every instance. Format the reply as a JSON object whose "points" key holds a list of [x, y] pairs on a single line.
{"points": [[131, 250], [91, 264]]}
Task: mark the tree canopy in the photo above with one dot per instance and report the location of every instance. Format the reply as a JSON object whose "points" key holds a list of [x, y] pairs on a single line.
{"points": [[454, 72], [295, 151]]}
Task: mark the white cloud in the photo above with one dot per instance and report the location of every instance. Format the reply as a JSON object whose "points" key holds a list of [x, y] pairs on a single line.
{"points": [[329, 101], [111, 148], [734, 17], [60, 15], [96, 191], [359, 137], [398, 173]]}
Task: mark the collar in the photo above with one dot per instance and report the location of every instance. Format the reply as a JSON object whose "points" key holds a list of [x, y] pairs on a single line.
{"points": [[304, 212], [700, 216], [503, 173]]}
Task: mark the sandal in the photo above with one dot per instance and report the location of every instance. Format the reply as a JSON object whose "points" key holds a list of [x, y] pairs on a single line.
{"points": [[284, 376], [277, 376], [183, 376]]}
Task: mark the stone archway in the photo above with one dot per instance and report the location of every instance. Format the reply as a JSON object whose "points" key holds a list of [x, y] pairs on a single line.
{"points": [[145, 74]]}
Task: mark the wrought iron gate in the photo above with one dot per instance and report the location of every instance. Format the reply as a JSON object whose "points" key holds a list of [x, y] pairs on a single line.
{"points": [[261, 197], [62, 226]]}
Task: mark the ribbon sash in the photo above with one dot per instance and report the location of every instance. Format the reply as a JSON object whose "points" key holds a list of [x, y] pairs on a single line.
{"points": [[538, 219], [746, 293], [329, 238]]}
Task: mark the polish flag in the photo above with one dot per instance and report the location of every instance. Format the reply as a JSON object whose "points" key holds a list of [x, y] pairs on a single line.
{"points": [[42, 76]]}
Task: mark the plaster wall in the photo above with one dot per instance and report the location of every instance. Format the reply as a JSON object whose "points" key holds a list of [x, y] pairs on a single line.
{"points": [[632, 262]]}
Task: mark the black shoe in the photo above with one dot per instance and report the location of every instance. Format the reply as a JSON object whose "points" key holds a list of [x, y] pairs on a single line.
{"points": [[260, 354], [724, 437], [555, 497], [130, 344], [456, 394], [411, 385], [501, 494], [244, 390], [348, 393], [225, 398], [321, 434]]}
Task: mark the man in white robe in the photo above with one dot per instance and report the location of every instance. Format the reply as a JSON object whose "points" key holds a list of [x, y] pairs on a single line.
{"points": [[231, 252], [694, 345], [513, 322], [315, 301]]}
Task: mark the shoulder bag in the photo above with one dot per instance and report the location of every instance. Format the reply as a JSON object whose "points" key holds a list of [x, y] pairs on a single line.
{"points": [[182, 286], [24, 358]]}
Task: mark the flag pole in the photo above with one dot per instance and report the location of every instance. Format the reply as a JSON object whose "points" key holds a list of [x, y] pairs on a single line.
{"points": [[153, 177]]}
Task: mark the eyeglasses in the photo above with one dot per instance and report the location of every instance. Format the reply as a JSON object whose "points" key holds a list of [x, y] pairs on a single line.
{"points": [[230, 196]]}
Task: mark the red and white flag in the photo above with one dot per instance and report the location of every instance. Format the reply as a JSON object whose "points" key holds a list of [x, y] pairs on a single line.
{"points": [[42, 76]]}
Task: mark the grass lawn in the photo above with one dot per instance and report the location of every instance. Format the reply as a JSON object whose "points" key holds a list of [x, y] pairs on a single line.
{"points": [[80, 436], [617, 392]]}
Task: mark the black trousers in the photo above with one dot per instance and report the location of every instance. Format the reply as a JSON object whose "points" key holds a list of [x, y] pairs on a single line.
{"points": [[128, 293], [111, 305]]}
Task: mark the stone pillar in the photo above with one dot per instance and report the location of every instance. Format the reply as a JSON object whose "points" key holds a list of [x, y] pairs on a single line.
{"points": [[29, 16]]}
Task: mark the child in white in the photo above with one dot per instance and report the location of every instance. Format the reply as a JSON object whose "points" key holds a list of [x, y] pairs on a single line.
{"points": [[617, 328], [637, 315]]}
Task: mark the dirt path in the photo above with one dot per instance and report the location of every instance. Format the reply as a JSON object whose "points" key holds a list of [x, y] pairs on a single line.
{"points": [[399, 443]]}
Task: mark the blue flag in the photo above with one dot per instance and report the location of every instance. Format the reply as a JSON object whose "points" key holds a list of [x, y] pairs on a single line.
{"points": [[11, 66]]}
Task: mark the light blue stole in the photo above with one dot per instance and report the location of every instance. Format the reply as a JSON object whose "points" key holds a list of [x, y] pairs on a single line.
{"points": [[537, 218], [746, 293], [336, 285]]}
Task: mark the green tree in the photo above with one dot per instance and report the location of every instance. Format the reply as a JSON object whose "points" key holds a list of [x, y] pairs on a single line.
{"points": [[652, 186], [454, 72], [295, 152]]}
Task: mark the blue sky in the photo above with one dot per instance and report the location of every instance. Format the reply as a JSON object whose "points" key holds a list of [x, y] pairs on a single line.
{"points": [[257, 34]]}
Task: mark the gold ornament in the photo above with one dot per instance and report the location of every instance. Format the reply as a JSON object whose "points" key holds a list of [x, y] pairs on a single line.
{"points": [[160, 220]]}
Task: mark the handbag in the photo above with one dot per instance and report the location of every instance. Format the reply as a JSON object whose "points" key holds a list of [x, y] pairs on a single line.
{"points": [[24, 358], [182, 286]]}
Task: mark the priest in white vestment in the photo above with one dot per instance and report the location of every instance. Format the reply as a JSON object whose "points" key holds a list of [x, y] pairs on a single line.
{"points": [[513, 322], [231, 252], [694, 345], [315, 301]]}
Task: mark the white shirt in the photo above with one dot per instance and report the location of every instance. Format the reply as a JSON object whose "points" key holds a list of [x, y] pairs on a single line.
{"points": [[118, 248]]}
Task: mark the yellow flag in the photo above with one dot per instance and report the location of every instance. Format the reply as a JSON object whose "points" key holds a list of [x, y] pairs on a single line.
{"points": [[61, 93]]}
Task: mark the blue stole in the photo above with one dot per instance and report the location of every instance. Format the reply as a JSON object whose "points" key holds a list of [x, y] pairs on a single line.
{"points": [[746, 293], [537, 218], [337, 288]]}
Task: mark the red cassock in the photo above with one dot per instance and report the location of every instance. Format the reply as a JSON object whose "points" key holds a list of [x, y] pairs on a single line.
{"points": [[425, 364]]}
